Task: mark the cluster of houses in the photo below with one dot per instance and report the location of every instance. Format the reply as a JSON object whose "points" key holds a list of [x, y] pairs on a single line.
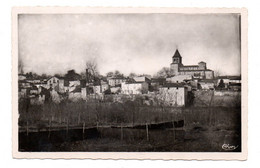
{"points": [[173, 90]]}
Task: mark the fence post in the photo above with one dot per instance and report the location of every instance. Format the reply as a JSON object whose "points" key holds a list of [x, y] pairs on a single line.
{"points": [[147, 132], [173, 129], [121, 132], [83, 130], [49, 134], [79, 118], [67, 129], [27, 129]]}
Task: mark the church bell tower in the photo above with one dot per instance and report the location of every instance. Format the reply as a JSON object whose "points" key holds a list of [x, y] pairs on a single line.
{"points": [[176, 62]]}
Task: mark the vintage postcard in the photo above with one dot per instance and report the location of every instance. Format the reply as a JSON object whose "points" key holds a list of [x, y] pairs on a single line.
{"points": [[129, 83]]}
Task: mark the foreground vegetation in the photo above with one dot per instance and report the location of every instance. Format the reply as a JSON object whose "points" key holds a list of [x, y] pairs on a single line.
{"points": [[205, 128], [127, 113]]}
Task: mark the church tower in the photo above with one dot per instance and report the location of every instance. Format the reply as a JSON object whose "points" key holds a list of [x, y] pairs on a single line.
{"points": [[176, 62]]}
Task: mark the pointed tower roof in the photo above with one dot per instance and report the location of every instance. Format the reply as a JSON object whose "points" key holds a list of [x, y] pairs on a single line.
{"points": [[176, 54]]}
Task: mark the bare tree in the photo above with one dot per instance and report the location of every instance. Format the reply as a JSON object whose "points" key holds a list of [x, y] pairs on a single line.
{"points": [[217, 73], [92, 68]]}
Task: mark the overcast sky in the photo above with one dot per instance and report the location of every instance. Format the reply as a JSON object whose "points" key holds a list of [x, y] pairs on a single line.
{"points": [[139, 43]]}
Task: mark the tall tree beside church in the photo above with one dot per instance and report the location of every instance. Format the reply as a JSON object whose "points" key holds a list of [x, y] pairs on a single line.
{"points": [[163, 73]]}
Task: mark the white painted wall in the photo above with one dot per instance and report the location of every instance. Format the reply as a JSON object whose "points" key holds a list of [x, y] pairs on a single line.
{"points": [[134, 88], [173, 96]]}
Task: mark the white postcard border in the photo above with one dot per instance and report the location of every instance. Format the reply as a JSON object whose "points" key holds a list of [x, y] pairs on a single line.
{"points": [[131, 155]]}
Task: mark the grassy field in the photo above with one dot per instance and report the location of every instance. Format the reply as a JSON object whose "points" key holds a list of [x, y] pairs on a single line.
{"points": [[128, 113], [192, 139], [205, 129]]}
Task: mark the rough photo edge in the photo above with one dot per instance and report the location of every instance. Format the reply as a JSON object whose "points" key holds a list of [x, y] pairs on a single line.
{"points": [[131, 155]]}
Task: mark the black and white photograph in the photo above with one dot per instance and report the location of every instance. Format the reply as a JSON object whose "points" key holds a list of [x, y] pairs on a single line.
{"points": [[134, 82]]}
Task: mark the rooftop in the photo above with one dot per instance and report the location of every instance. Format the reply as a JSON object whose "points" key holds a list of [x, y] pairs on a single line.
{"points": [[230, 77], [177, 54], [77, 89], [195, 70], [173, 85]]}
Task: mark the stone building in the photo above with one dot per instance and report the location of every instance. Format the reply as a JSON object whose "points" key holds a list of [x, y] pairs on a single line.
{"points": [[100, 88], [179, 78], [173, 94], [57, 83], [199, 71], [114, 81], [206, 84], [134, 88]]}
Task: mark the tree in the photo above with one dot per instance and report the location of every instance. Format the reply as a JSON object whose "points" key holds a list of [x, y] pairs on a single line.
{"points": [[221, 84], [91, 65], [118, 74], [72, 75], [163, 73], [110, 74], [83, 75], [44, 76], [217, 73], [58, 75], [132, 75], [92, 70], [31, 75], [146, 75]]}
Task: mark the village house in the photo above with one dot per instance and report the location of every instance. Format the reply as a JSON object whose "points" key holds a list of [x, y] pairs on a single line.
{"points": [[206, 84], [193, 84], [229, 80], [73, 85], [134, 88], [115, 89], [179, 78], [57, 83], [24, 84], [235, 79], [142, 79], [173, 94], [75, 94], [235, 86], [99, 89], [156, 83], [21, 77], [33, 81], [197, 71], [113, 81]]}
